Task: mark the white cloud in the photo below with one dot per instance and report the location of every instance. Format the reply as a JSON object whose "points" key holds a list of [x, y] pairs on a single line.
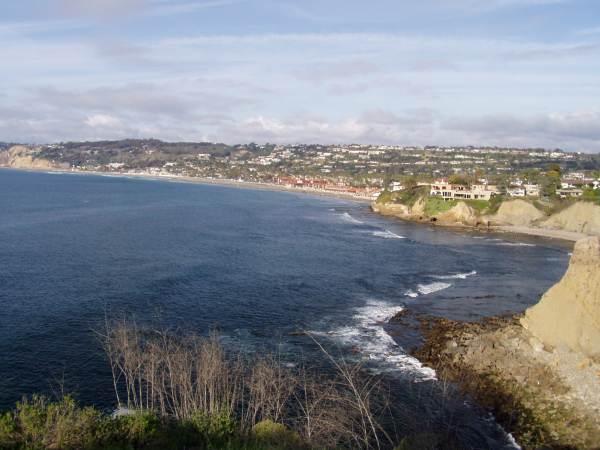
{"points": [[102, 121]]}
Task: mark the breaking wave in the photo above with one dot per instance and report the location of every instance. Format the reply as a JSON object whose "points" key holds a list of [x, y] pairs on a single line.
{"points": [[386, 234], [367, 336], [348, 218], [432, 287], [460, 276], [516, 244]]}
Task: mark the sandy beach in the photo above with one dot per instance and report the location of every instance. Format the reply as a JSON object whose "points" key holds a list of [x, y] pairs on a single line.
{"points": [[211, 181], [542, 232]]}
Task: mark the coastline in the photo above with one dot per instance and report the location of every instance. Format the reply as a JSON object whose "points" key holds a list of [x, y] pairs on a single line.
{"points": [[205, 181], [514, 376], [563, 235]]}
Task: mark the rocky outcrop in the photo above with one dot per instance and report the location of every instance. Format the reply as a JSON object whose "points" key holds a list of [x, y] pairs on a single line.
{"points": [[581, 217], [460, 214], [546, 399], [569, 313], [391, 209], [516, 212]]}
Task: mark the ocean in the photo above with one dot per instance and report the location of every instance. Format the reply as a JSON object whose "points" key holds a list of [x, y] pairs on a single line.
{"points": [[257, 266]]}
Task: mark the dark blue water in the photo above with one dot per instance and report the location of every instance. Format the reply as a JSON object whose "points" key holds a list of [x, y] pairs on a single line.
{"points": [[256, 264]]}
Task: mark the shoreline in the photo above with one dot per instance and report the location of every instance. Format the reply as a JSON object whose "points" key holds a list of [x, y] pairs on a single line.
{"points": [[514, 376], [562, 235], [204, 181]]}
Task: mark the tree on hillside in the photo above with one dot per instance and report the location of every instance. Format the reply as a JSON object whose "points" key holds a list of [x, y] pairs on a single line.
{"points": [[458, 179]]}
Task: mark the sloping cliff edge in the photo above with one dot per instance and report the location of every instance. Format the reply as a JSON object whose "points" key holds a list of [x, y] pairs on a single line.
{"points": [[24, 157], [539, 373], [519, 216]]}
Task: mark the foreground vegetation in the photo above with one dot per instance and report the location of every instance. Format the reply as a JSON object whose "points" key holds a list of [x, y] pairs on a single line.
{"points": [[188, 392]]}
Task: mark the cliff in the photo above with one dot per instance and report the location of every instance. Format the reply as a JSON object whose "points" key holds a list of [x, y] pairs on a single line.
{"points": [[581, 217], [540, 373], [23, 157], [516, 212], [459, 214], [569, 313]]}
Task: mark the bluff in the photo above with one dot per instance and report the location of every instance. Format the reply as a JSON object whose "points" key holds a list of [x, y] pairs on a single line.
{"points": [[516, 212], [569, 313], [23, 157], [581, 217]]}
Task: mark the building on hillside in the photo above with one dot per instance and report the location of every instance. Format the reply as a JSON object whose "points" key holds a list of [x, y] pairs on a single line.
{"points": [[516, 192], [565, 193], [532, 190], [396, 186], [442, 188]]}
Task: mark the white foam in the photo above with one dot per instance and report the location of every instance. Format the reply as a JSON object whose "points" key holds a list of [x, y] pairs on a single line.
{"points": [[512, 441], [367, 336], [386, 234], [516, 244], [459, 276], [348, 218], [411, 293], [432, 287]]}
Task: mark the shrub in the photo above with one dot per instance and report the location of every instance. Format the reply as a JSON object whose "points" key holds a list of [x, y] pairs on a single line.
{"points": [[215, 430], [8, 429], [410, 196], [384, 197], [276, 435], [436, 205], [591, 195], [494, 203], [43, 424], [478, 205]]}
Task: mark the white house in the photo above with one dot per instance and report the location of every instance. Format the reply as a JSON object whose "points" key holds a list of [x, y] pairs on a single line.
{"points": [[441, 188], [396, 186], [532, 190]]}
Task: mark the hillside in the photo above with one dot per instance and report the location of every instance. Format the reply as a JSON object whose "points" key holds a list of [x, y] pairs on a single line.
{"points": [[579, 219]]}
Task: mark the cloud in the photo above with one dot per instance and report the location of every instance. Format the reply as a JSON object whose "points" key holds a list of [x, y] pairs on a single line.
{"points": [[574, 131]]}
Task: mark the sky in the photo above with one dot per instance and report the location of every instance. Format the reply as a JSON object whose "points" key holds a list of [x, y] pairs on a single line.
{"points": [[522, 73]]}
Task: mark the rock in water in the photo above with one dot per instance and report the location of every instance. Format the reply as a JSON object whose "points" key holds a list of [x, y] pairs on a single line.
{"points": [[569, 313]]}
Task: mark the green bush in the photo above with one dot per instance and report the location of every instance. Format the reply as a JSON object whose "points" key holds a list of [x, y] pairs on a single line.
{"points": [[478, 205], [384, 197], [410, 196], [437, 205], [214, 430], [276, 436], [42, 424], [8, 429], [591, 195], [494, 204]]}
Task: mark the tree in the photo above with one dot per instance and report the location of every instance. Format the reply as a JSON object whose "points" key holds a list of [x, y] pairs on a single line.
{"points": [[458, 179]]}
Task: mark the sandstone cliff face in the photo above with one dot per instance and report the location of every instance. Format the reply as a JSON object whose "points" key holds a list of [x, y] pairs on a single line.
{"points": [[516, 212], [569, 313], [391, 209], [22, 157], [581, 217], [461, 214]]}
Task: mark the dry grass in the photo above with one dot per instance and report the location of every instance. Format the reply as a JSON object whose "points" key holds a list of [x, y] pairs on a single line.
{"points": [[185, 377]]}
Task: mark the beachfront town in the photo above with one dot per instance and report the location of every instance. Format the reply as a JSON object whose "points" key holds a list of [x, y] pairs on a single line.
{"points": [[363, 171]]}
